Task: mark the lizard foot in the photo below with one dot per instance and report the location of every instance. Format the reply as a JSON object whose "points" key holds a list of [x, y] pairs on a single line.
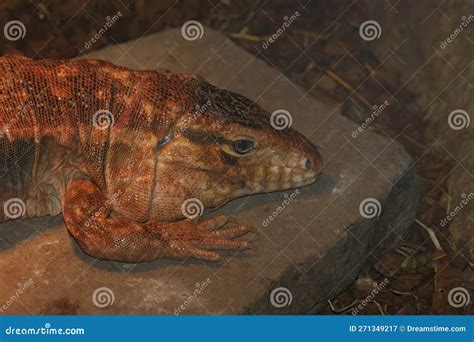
{"points": [[184, 239], [87, 215]]}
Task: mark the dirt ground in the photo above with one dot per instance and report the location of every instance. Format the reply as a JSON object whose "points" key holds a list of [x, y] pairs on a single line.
{"points": [[322, 52]]}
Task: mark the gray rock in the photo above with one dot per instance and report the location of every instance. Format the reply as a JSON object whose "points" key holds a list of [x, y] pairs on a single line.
{"points": [[313, 248]]}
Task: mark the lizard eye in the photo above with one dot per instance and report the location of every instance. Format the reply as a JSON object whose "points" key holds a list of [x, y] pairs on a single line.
{"points": [[163, 141], [242, 146]]}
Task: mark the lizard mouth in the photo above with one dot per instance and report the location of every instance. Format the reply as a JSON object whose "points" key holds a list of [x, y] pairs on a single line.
{"points": [[278, 185], [291, 175]]}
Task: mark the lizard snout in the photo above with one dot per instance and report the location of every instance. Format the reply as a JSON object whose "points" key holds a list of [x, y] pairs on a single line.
{"points": [[310, 163], [308, 169], [298, 163]]}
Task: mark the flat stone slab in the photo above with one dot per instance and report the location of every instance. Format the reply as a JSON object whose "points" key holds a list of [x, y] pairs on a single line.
{"points": [[313, 247]]}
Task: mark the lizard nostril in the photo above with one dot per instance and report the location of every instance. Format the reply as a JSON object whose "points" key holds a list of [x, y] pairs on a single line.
{"points": [[308, 164]]}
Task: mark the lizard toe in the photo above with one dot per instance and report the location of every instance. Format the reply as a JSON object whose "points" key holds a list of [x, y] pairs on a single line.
{"points": [[216, 222], [203, 254], [229, 232], [225, 244]]}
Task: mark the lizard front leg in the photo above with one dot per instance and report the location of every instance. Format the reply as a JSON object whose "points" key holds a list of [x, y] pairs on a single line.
{"points": [[87, 212]]}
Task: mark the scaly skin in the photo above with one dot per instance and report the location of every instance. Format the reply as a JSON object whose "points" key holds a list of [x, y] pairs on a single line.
{"points": [[124, 185]]}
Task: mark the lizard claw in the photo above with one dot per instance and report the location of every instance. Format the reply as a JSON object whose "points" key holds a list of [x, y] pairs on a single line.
{"points": [[229, 232]]}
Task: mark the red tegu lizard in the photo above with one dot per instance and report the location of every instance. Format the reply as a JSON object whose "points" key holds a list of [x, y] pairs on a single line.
{"points": [[121, 153]]}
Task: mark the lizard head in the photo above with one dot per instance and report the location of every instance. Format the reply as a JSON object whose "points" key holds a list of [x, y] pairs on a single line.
{"points": [[226, 146]]}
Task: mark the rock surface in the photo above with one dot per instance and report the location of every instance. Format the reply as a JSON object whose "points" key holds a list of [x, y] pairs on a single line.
{"points": [[311, 250]]}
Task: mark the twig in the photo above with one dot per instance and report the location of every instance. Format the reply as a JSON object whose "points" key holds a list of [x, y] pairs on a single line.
{"points": [[311, 34], [432, 235], [348, 87], [250, 37], [424, 147], [402, 252], [413, 247], [369, 68], [379, 306], [411, 276], [448, 207], [401, 293], [345, 308]]}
